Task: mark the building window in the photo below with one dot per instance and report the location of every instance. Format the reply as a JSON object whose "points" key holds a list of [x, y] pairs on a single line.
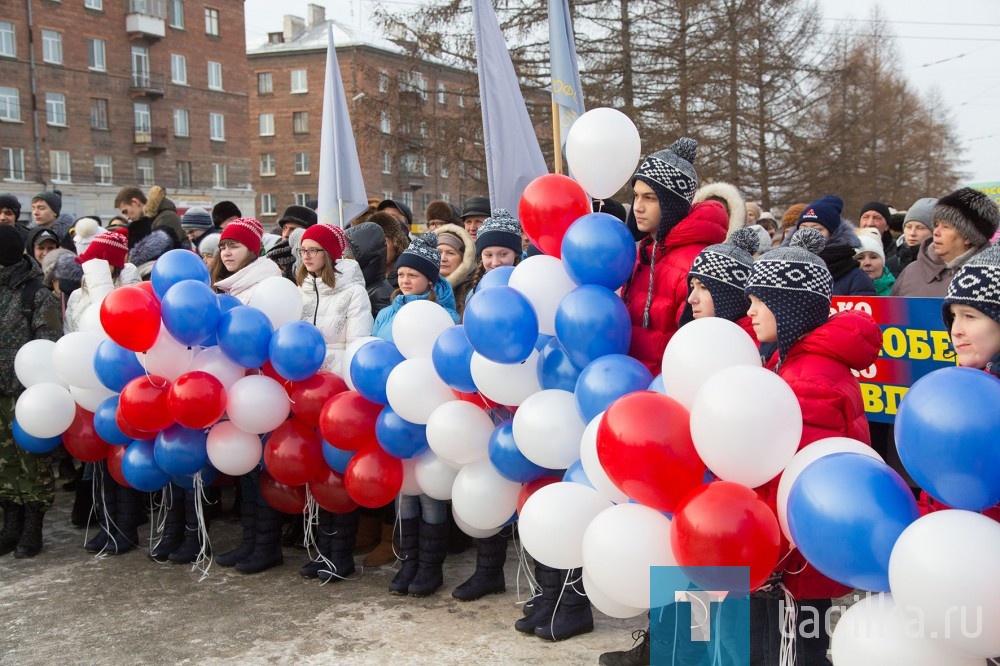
{"points": [[265, 83], [444, 168], [55, 109], [98, 114], [214, 75], [300, 122], [268, 204], [424, 169], [408, 163], [175, 14], [140, 67], [144, 170], [59, 168], [102, 170], [218, 176], [13, 163], [461, 102], [267, 164], [266, 123], [301, 163], [442, 95], [408, 199], [300, 83], [52, 47], [93, 4], [413, 81], [301, 198], [445, 197], [183, 174], [386, 161], [10, 104], [7, 43], [216, 127], [461, 170], [96, 58], [383, 81], [181, 125], [143, 118], [178, 69], [385, 123], [212, 22]]}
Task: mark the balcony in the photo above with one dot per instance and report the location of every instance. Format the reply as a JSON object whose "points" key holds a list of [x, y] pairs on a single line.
{"points": [[147, 84], [146, 19], [150, 139]]}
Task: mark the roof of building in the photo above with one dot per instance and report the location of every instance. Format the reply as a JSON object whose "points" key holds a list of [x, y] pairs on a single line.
{"points": [[314, 38]]}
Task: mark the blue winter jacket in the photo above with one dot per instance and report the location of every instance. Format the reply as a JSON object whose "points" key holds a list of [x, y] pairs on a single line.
{"points": [[445, 298]]}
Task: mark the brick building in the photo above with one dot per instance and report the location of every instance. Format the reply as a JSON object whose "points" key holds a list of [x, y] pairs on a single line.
{"points": [[98, 94]]}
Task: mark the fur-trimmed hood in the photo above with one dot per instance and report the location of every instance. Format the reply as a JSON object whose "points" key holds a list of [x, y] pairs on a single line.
{"points": [[151, 248], [468, 257], [734, 202], [156, 201]]}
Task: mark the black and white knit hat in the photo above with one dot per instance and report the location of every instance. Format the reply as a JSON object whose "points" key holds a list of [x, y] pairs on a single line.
{"points": [[672, 176], [976, 284], [422, 255], [500, 229], [724, 270], [971, 212], [795, 285]]}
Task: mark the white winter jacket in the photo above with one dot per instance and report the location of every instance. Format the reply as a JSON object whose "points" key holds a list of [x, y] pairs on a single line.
{"points": [[342, 313], [94, 288], [241, 284]]}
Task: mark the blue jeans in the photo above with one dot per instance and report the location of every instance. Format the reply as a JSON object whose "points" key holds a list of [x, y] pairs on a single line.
{"points": [[434, 512]]}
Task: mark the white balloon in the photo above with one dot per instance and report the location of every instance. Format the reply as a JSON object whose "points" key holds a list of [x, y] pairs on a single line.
{"points": [[553, 520], [233, 451], [217, 364], [619, 547], [349, 353], [506, 384], [602, 150], [257, 404], [877, 630], [548, 429], [91, 398], [944, 564], [45, 410], [435, 477], [33, 363], [73, 359], [90, 321], [543, 280], [167, 357], [474, 532], [459, 432], [811, 453], [592, 465], [414, 390], [279, 299], [700, 349], [484, 499], [602, 602], [410, 485], [746, 441], [417, 326]]}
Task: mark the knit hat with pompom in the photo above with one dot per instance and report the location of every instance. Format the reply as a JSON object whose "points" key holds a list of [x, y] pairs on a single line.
{"points": [[724, 270]]}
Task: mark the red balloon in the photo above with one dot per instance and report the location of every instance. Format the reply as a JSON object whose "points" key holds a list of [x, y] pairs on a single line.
{"points": [[128, 429], [531, 487], [282, 497], [644, 444], [724, 524], [294, 453], [196, 400], [549, 205], [347, 421], [143, 403], [330, 493], [373, 477], [131, 317], [147, 287], [309, 395], [115, 457], [81, 439], [268, 371]]}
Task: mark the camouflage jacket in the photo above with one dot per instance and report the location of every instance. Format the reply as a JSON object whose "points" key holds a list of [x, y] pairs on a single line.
{"points": [[17, 330]]}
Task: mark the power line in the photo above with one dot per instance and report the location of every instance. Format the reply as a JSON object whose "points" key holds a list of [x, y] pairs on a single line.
{"points": [[934, 23]]}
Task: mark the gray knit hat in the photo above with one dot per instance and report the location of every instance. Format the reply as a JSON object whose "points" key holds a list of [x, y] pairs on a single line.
{"points": [[976, 284], [422, 255], [724, 270], [53, 200], [922, 211], [971, 212], [501, 229], [196, 219]]}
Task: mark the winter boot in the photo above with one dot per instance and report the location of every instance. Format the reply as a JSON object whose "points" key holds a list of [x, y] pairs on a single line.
{"points": [[173, 527], [193, 539], [637, 656], [544, 604], [125, 530], [433, 546], [248, 518], [266, 543], [106, 509], [30, 543], [572, 616], [458, 541], [83, 502], [369, 532], [383, 553], [340, 547], [13, 526], [408, 552], [324, 529], [491, 553]]}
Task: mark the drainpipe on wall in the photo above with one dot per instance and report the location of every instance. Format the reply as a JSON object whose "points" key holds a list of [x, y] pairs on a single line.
{"points": [[34, 96]]}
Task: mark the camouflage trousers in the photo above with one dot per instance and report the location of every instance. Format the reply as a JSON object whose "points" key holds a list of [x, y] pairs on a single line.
{"points": [[24, 477]]}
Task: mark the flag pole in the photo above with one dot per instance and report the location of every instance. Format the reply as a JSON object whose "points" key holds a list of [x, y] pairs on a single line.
{"points": [[556, 137]]}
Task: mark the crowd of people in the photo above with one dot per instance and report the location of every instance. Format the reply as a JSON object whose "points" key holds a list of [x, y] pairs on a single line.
{"points": [[701, 252]]}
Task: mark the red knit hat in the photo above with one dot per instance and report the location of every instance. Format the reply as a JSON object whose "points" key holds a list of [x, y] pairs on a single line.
{"points": [[244, 230], [111, 246], [332, 239]]}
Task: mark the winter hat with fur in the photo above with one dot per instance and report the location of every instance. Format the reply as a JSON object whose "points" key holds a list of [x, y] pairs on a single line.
{"points": [[671, 175], [111, 246], [49, 262], [971, 212], [332, 239], [66, 269], [724, 270], [825, 211], [422, 255], [976, 284], [224, 210], [440, 210], [86, 229], [245, 230], [501, 229]]}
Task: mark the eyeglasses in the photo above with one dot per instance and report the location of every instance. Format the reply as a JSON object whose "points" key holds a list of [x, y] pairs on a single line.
{"points": [[310, 251]]}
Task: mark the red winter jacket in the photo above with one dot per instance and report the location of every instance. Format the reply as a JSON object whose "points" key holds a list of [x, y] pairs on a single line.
{"points": [[705, 225], [818, 369]]}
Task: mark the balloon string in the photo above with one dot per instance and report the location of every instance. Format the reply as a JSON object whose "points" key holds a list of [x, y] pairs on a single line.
{"points": [[555, 610], [534, 589], [159, 524], [203, 562], [789, 620]]}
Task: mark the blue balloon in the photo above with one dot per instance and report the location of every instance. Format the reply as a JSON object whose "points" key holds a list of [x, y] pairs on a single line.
{"points": [[947, 433], [508, 459], [176, 266], [398, 437], [598, 249], [190, 312], [605, 380], [116, 366], [181, 451], [186, 481], [106, 424], [226, 303], [555, 369], [370, 369], [591, 322], [498, 277], [297, 350], [452, 356], [576, 474], [33, 444], [542, 341], [845, 512], [244, 334], [140, 469], [501, 325], [657, 384], [336, 458]]}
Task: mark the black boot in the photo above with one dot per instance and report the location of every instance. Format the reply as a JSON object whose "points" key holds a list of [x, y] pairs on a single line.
{"points": [[83, 502], [544, 604], [173, 527], [324, 529], [248, 518], [13, 526], [573, 615], [30, 543], [106, 493], [408, 552], [193, 539], [491, 553], [125, 531], [340, 547], [433, 546], [637, 656], [266, 543]]}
